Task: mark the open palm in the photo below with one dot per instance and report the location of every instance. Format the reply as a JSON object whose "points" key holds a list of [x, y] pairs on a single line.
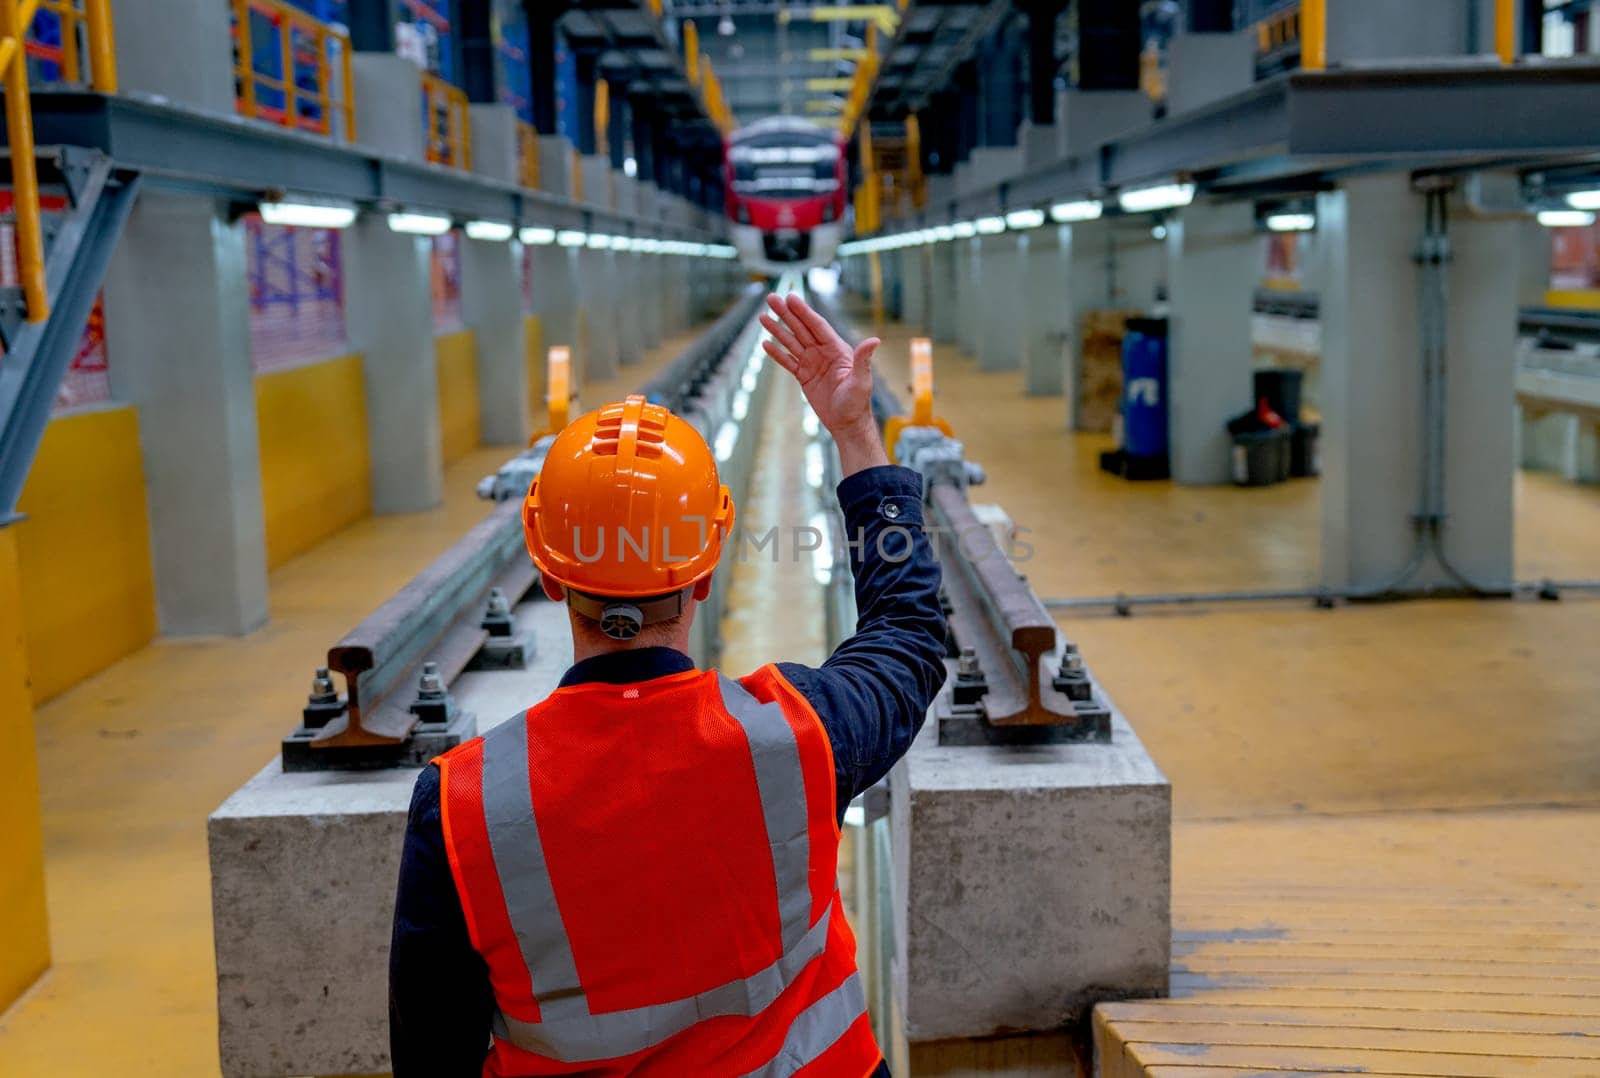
{"points": [[836, 379]]}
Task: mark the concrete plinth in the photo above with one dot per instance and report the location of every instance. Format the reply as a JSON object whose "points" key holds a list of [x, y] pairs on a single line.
{"points": [[1213, 268], [557, 170], [1029, 884], [177, 320], [491, 306], [1000, 303], [1086, 118], [389, 317], [1203, 68], [1041, 144], [188, 60], [388, 113], [598, 186], [495, 152], [1364, 31], [1565, 443], [303, 870], [1371, 389]]}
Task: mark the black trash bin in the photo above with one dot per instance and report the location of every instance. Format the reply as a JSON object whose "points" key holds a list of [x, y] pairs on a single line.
{"points": [[1304, 460], [1280, 388], [1261, 457]]}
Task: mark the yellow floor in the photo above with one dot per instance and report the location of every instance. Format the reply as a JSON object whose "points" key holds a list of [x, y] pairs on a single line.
{"points": [[132, 761], [1387, 848]]}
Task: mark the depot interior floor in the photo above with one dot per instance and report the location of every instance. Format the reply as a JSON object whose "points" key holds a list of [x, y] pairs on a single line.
{"points": [[1359, 793]]}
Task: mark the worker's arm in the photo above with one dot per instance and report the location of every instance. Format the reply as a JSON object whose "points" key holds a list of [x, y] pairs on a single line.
{"points": [[874, 691], [440, 1002]]}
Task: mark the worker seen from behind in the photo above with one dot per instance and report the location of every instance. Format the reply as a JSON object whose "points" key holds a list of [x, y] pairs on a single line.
{"points": [[636, 876]]}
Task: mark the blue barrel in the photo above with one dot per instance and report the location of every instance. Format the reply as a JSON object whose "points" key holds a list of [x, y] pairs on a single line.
{"points": [[1144, 388]]}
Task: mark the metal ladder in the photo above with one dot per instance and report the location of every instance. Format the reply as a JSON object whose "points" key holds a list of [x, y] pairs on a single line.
{"points": [[95, 198]]}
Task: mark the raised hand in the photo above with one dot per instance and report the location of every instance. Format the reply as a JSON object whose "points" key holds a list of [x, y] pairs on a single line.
{"points": [[836, 379]]}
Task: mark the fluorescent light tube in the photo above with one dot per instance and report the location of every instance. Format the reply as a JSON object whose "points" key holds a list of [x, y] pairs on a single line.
{"points": [[1087, 209], [568, 237], [964, 230], [534, 236], [990, 226], [1167, 196], [1566, 218], [419, 224], [495, 231], [599, 241], [944, 233], [1020, 219], [309, 214], [1291, 222], [1578, 200]]}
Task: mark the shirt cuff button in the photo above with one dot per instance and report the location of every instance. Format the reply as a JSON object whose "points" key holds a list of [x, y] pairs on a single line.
{"points": [[891, 510]]}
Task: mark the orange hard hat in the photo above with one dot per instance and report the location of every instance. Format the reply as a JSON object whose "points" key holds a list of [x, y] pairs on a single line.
{"points": [[627, 504]]}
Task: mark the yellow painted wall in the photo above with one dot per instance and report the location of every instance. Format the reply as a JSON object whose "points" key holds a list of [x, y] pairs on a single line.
{"points": [[88, 590], [1582, 299], [456, 361], [533, 333], [316, 471], [24, 937]]}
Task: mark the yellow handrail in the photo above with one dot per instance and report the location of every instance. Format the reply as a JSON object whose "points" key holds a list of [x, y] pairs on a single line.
{"points": [[15, 19], [449, 143], [1505, 30], [527, 155], [287, 22]]}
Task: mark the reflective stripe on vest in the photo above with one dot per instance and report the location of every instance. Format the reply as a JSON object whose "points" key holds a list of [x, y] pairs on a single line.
{"points": [[568, 1030]]}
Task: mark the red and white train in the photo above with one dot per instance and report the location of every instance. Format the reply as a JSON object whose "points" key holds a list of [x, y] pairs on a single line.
{"points": [[786, 194]]}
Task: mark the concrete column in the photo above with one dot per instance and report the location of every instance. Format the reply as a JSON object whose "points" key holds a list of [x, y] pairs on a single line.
{"points": [[1372, 387], [187, 60], [970, 293], [1533, 278], [178, 322], [597, 303], [388, 311], [999, 299], [627, 308], [1212, 274], [944, 294], [647, 306], [1088, 254], [1047, 320], [491, 306], [914, 287], [555, 298]]}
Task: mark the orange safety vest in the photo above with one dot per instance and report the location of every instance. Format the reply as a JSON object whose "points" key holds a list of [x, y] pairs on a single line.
{"points": [[649, 871]]}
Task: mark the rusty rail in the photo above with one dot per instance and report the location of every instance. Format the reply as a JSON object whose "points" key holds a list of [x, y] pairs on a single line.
{"points": [[435, 618]]}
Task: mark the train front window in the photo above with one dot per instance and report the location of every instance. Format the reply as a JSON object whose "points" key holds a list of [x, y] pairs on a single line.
{"points": [[768, 168]]}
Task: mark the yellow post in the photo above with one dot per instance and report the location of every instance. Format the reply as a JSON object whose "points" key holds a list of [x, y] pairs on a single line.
{"points": [[876, 268], [246, 65], [71, 67], [1505, 30], [102, 47], [602, 115], [349, 101], [921, 382], [691, 51], [558, 398], [24, 177], [1313, 35], [291, 109], [25, 953]]}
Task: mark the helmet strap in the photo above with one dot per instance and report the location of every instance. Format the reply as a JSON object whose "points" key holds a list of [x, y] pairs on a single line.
{"points": [[621, 619]]}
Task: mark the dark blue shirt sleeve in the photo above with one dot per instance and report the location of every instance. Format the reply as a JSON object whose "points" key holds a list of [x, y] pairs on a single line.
{"points": [[874, 691], [440, 1000]]}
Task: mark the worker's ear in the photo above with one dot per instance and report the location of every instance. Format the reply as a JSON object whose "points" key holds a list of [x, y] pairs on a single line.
{"points": [[553, 591], [702, 589]]}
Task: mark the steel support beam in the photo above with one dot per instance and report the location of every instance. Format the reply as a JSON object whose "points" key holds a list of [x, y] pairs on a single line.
{"points": [[371, 25], [474, 44], [541, 16], [1108, 45]]}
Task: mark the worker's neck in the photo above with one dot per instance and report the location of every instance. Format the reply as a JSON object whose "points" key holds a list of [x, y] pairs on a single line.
{"points": [[588, 642]]}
